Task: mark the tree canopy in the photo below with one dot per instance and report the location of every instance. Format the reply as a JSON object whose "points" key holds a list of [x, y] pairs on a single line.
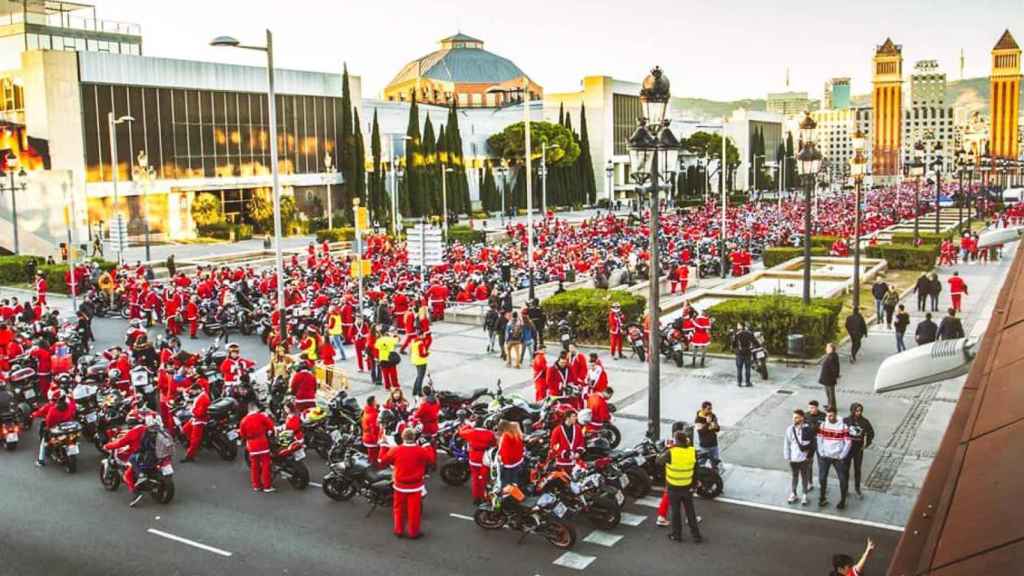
{"points": [[510, 143]]}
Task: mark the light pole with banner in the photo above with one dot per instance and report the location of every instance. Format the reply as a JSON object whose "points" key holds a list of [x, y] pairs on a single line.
{"points": [[145, 174]]}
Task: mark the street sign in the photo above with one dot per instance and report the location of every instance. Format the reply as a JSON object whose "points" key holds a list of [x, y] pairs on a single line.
{"points": [[424, 246], [361, 268], [118, 240], [362, 218]]}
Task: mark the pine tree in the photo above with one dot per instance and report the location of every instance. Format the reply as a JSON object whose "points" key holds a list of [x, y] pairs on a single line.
{"points": [[410, 195], [378, 205], [430, 185], [585, 162], [358, 166], [346, 146]]}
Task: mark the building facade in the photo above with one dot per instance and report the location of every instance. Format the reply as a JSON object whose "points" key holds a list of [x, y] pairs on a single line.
{"points": [[928, 117], [887, 106], [836, 95], [1004, 99], [742, 128], [787, 103]]}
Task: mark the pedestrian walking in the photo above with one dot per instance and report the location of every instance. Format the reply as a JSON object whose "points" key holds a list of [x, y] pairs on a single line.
{"points": [[814, 416], [900, 324], [862, 434], [743, 342], [829, 375], [950, 328], [922, 288], [798, 450], [833, 446], [934, 291], [857, 328], [680, 460], [878, 291], [889, 303], [926, 330], [491, 326], [957, 289]]}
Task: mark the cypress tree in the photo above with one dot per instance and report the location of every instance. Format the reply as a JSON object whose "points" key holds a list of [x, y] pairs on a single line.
{"points": [[347, 144], [790, 162], [358, 166], [410, 195], [585, 161], [431, 186], [442, 165], [378, 206]]}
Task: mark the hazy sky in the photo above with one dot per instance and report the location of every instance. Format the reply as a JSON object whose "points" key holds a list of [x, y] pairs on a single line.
{"points": [[722, 49]]}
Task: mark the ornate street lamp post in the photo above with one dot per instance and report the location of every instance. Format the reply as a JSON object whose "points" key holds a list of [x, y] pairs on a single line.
{"points": [[858, 167], [916, 170], [809, 160]]}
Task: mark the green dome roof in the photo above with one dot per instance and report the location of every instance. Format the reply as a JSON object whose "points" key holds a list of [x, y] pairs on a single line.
{"points": [[463, 60]]}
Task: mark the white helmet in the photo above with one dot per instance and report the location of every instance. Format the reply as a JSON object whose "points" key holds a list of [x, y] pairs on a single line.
{"points": [[584, 416]]}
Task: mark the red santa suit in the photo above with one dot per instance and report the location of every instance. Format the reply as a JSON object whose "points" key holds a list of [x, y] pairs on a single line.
{"points": [[566, 442], [255, 429], [410, 466], [371, 434], [599, 412], [957, 290], [540, 374], [558, 379], [194, 428], [192, 317], [478, 440], [41, 288], [615, 332]]}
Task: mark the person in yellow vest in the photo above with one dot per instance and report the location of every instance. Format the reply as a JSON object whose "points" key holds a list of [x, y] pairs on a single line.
{"points": [[310, 345], [419, 361], [388, 358], [336, 331], [680, 461]]}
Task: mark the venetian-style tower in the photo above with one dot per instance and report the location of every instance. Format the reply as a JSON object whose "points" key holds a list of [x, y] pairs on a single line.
{"points": [[1004, 98], [887, 106]]}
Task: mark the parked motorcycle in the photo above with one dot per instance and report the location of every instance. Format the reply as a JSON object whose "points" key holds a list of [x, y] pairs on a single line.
{"points": [[542, 515], [221, 431], [287, 459], [760, 355], [158, 482], [707, 478], [353, 474], [584, 493], [62, 444], [10, 430]]}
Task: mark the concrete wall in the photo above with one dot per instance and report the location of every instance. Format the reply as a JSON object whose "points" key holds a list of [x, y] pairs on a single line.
{"points": [[41, 214]]}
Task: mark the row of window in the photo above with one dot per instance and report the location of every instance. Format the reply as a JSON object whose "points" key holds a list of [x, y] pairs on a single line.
{"points": [[55, 42]]}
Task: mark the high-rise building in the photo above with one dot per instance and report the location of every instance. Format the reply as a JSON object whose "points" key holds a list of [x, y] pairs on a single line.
{"points": [[928, 117], [787, 103], [836, 95], [1004, 104], [887, 105]]}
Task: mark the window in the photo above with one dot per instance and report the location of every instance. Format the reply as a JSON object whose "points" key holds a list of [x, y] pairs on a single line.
{"points": [[44, 42], [32, 41], [91, 45]]}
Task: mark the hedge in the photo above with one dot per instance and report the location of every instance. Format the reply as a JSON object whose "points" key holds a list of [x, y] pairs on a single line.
{"points": [[777, 317], [824, 241], [219, 230], [775, 255], [589, 307], [905, 256], [18, 269], [926, 237], [344, 234], [243, 232], [465, 235]]}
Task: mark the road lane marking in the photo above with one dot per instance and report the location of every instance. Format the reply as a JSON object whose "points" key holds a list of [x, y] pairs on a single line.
{"points": [[602, 538], [317, 484], [808, 513], [188, 542], [649, 501], [460, 516], [632, 519], [574, 560]]}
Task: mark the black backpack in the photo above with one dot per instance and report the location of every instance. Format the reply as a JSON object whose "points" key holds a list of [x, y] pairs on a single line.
{"points": [[146, 456], [491, 320]]}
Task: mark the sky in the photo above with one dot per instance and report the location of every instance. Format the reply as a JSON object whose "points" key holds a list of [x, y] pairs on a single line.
{"points": [[715, 49]]}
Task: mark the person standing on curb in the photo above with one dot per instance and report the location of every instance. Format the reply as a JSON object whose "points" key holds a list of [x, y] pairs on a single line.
{"points": [[833, 446], [857, 328], [900, 324], [798, 450], [742, 345], [814, 417], [829, 376], [680, 460]]}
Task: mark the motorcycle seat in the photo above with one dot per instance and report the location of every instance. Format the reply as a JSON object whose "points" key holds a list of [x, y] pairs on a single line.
{"points": [[376, 476], [381, 485]]}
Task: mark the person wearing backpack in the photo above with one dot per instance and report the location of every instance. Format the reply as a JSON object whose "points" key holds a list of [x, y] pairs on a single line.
{"points": [[798, 449], [136, 447], [491, 327]]}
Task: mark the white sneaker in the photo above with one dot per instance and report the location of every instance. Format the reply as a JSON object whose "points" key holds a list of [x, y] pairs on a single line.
{"points": [[269, 490], [792, 498], [803, 501], [662, 521]]}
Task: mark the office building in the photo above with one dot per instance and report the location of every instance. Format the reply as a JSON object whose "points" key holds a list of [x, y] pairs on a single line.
{"points": [[787, 103], [836, 95], [744, 128], [929, 117]]}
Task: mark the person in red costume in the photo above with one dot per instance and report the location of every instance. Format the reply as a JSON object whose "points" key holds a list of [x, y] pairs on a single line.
{"points": [[559, 376], [192, 316], [58, 410], [566, 442], [410, 466], [577, 364], [409, 327], [232, 367], [511, 452], [615, 330], [428, 413], [256, 429], [293, 420], [600, 414], [957, 289], [194, 428], [597, 377], [348, 318], [44, 365], [540, 373], [437, 296], [371, 431], [478, 439], [701, 337], [41, 288], [127, 445], [303, 386]]}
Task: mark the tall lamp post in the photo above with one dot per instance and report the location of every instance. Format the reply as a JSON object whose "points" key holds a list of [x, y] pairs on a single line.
{"points": [[144, 173], [652, 136], [328, 201], [503, 172], [16, 183], [858, 167], [936, 165], [609, 172], [809, 160], [112, 123], [916, 169], [268, 49]]}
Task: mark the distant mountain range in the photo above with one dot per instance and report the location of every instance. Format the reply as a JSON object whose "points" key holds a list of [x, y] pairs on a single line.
{"points": [[971, 92]]}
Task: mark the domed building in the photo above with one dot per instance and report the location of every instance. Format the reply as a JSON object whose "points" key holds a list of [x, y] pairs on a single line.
{"points": [[461, 70]]}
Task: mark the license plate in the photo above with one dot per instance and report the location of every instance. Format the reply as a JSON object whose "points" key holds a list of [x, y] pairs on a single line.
{"points": [[619, 497], [12, 437], [91, 417], [167, 469], [560, 510], [624, 481], [336, 435], [72, 449], [299, 454], [29, 394], [232, 435]]}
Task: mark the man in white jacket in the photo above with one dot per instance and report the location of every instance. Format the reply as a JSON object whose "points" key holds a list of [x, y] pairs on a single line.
{"points": [[798, 450], [833, 446]]}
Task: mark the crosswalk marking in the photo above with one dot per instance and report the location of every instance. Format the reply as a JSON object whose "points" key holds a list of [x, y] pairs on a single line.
{"points": [[632, 519], [602, 538], [649, 501], [574, 561]]}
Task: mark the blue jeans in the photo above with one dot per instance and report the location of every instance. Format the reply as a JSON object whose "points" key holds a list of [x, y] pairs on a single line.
{"points": [[742, 369], [338, 343], [879, 311], [900, 346]]}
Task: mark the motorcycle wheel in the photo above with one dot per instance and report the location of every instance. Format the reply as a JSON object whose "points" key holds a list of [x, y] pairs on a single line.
{"points": [[338, 489], [611, 433], [226, 449], [455, 473], [71, 464], [639, 483], [489, 519], [640, 353], [559, 534], [108, 477], [165, 492], [298, 475], [710, 486], [123, 313], [605, 515], [762, 369], [678, 358], [209, 331]]}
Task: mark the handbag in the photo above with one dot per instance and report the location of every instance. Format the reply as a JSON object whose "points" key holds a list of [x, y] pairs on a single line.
{"points": [[394, 358]]}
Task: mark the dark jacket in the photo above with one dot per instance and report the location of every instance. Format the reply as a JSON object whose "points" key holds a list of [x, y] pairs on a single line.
{"points": [[855, 326], [936, 287], [862, 425], [829, 370], [743, 341], [923, 286], [926, 332], [878, 290], [901, 322], [950, 328]]}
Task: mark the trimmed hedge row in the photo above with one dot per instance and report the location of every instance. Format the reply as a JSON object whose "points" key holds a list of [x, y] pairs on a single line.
{"points": [[776, 255], [336, 234], [776, 317], [18, 269], [224, 231], [906, 256], [926, 237], [465, 235], [589, 307]]}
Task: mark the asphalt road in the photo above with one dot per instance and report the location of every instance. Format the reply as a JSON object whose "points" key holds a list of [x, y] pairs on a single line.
{"points": [[59, 524]]}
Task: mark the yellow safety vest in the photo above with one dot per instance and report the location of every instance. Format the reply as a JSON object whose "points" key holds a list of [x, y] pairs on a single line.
{"points": [[334, 325], [310, 351], [417, 360], [679, 468], [385, 345]]}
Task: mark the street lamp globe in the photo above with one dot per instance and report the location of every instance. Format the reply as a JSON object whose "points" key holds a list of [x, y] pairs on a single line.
{"points": [[654, 96], [860, 141], [225, 42], [609, 169], [809, 158]]}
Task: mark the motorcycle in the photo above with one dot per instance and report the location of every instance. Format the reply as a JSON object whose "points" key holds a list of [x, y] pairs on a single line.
{"points": [[584, 493], [707, 478], [452, 402], [353, 474], [10, 430], [142, 383], [158, 482], [287, 458], [760, 355], [635, 335], [62, 444], [566, 333], [542, 515], [454, 472], [221, 431], [23, 389]]}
